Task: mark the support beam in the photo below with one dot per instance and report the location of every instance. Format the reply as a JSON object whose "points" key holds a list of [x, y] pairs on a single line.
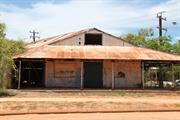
{"points": [[19, 76], [172, 65], [82, 74], [45, 73], [112, 87], [142, 74], [54, 70]]}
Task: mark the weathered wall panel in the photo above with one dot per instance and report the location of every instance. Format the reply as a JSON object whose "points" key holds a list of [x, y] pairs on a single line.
{"points": [[76, 40], [108, 40], [68, 74], [63, 74], [127, 74], [107, 74], [131, 78], [112, 41], [49, 73]]}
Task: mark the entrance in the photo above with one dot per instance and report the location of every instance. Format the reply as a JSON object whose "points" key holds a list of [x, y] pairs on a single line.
{"points": [[93, 74], [32, 74]]}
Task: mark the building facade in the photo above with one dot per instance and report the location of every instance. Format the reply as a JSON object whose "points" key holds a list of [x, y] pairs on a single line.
{"points": [[88, 58]]}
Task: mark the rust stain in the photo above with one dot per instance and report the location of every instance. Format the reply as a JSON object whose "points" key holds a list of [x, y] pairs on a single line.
{"points": [[97, 52]]}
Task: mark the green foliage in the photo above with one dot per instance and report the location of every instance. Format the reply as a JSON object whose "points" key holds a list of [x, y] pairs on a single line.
{"points": [[7, 93], [165, 45], [145, 38], [137, 40], [141, 38], [8, 48], [176, 48], [2, 29]]}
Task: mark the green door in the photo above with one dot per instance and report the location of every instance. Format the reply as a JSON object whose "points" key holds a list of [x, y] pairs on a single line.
{"points": [[93, 74]]}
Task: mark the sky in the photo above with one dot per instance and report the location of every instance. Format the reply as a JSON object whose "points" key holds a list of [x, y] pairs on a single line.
{"points": [[117, 17]]}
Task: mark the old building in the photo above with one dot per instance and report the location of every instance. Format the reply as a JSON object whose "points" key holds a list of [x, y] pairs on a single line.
{"points": [[88, 58]]}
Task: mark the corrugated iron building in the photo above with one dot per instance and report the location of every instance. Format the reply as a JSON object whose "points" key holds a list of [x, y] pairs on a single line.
{"points": [[88, 58]]}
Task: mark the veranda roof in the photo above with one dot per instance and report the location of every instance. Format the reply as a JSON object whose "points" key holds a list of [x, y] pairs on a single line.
{"points": [[96, 53]]}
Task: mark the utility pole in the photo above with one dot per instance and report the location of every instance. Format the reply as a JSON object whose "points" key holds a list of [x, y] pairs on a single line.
{"points": [[33, 36], [160, 27]]}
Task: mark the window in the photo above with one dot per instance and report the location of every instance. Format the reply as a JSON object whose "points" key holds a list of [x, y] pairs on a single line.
{"points": [[93, 39]]}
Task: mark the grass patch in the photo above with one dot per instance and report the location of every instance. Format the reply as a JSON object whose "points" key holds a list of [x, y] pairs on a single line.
{"points": [[177, 105], [102, 94], [80, 104], [32, 106], [7, 93], [121, 93], [111, 93], [18, 107]]}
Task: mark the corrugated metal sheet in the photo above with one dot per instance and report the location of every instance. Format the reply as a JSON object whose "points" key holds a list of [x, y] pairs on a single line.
{"points": [[97, 52]]}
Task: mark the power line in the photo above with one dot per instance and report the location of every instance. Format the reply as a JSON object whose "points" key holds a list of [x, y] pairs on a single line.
{"points": [[160, 27], [34, 35]]}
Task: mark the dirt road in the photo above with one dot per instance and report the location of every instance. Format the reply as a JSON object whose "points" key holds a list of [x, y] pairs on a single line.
{"points": [[82, 99], [98, 116]]}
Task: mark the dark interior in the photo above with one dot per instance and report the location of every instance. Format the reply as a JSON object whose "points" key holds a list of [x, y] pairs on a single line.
{"points": [[32, 74], [93, 74], [93, 39]]}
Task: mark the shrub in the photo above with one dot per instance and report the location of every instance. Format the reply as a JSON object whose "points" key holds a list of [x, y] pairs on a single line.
{"points": [[7, 93]]}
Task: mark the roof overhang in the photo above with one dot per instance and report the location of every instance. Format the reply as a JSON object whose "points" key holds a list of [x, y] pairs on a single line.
{"points": [[96, 53]]}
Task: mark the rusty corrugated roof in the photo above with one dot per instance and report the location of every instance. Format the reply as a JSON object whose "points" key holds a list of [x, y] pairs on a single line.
{"points": [[97, 52]]}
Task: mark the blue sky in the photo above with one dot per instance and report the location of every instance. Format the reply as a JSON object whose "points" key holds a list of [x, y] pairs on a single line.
{"points": [[118, 17], [28, 3]]}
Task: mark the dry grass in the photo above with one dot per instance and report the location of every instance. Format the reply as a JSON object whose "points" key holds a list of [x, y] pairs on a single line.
{"points": [[89, 101], [110, 94], [81, 106]]}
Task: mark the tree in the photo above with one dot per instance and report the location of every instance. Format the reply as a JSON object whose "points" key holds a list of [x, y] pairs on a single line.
{"points": [[134, 39], [176, 48], [165, 45], [140, 38], [8, 48], [145, 39]]}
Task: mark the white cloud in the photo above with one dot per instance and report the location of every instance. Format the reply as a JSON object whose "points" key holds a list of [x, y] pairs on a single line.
{"points": [[55, 18], [177, 38]]}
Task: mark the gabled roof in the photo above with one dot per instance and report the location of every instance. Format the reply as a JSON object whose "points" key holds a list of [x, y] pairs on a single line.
{"points": [[97, 52], [50, 40], [43, 49]]}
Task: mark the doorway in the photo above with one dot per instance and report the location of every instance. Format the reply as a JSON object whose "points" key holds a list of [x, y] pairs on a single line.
{"points": [[93, 74], [32, 74]]}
